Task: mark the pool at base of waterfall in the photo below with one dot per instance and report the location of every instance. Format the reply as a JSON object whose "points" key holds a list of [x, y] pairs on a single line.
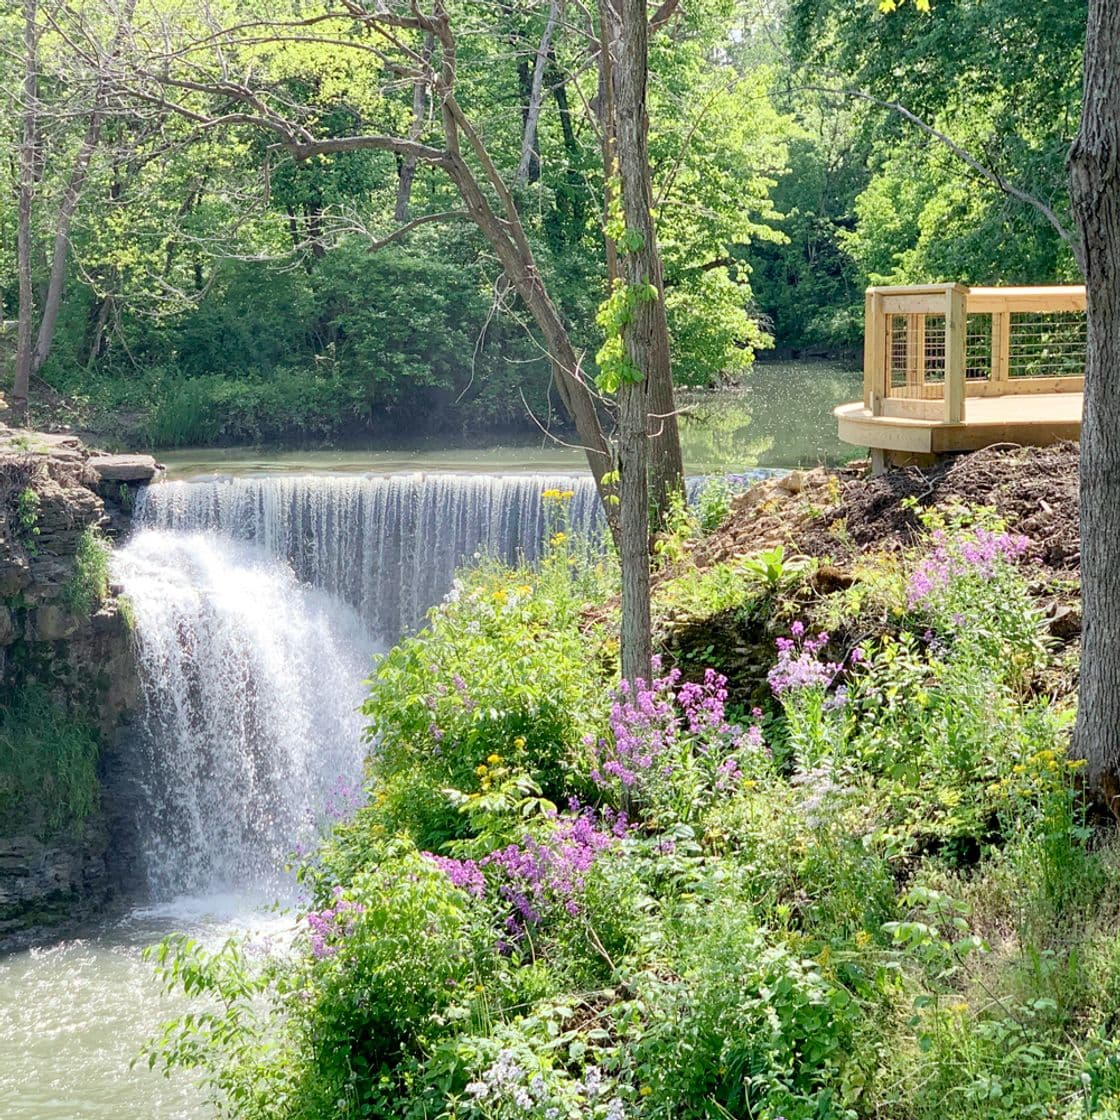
{"points": [[75, 1017]]}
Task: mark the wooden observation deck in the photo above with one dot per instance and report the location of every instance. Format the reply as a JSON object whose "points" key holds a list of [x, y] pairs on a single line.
{"points": [[950, 368]]}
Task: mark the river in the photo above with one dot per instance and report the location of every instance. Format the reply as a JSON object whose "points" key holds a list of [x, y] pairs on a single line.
{"points": [[295, 569]]}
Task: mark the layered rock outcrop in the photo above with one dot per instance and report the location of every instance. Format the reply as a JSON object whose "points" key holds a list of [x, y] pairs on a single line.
{"points": [[64, 635]]}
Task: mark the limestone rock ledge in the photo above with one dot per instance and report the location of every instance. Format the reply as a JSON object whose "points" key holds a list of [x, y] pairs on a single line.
{"points": [[52, 491]]}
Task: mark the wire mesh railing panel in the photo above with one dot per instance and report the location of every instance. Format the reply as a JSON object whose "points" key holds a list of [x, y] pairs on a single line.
{"points": [[899, 348], [916, 356], [1047, 344], [978, 348], [934, 350]]}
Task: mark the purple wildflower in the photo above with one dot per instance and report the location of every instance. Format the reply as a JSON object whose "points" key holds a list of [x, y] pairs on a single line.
{"points": [[978, 553], [331, 925], [798, 665], [463, 873]]}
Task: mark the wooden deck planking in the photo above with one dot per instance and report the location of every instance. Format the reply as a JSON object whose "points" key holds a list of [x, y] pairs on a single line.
{"points": [[1034, 419]]}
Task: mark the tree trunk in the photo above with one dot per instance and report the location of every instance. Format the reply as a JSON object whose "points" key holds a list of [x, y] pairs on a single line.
{"points": [[1095, 192], [529, 169], [639, 266], [26, 195], [63, 220], [520, 267], [666, 465], [407, 174]]}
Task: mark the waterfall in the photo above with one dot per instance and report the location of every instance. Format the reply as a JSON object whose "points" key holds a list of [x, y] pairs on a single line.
{"points": [[387, 545], [257, 602], [250, 731]]}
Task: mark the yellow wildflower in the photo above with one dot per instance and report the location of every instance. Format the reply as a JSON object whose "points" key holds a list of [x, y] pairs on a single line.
{"points": [[500, 595], [480, 770], [644, 1091], [863, 938], [557, 539], [519, 742], [494, 759]]}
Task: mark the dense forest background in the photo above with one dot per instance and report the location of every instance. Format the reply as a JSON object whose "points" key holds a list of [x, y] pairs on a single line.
{"points": [[215, 290]]}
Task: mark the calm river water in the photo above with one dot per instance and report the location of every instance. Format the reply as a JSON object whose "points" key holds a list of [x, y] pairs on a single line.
{"points": [[73, 1016]]}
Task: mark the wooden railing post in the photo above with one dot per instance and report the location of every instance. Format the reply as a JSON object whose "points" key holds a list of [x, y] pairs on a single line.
{"points": [[874, 353], [1001, 349], [956, 326]]}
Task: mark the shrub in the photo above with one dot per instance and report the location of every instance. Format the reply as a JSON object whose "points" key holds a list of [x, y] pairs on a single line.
{"points": [[563, 901], [492, 700], [88, 586]]}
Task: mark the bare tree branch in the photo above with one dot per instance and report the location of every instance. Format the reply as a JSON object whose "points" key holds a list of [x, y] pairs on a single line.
{"points": [[408, 227]]}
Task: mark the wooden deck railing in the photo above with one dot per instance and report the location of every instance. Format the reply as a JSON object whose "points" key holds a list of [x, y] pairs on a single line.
{"points": [[927, 349]]}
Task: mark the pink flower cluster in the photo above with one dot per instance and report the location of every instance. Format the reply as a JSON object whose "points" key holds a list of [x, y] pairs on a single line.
{"points": [[463, 873], [329, 926], [648, 722], [798, 665], [978, 552], [536, 875]]}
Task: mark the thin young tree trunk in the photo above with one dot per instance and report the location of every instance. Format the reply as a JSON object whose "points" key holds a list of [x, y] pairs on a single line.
{"points": [[72, 194], [1095, 192], [639, 266], [407, 175], [69, 204], [530, 158], [576, 187], [28, 140]]}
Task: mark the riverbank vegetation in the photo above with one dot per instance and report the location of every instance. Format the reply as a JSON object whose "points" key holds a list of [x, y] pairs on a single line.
{"points": [[216, 290], [840, 870], [48, 766]]}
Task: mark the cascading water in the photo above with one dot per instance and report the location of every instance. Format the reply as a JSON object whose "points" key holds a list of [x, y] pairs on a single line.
{"points": [[388, 545], [257, 600], [252, 682]]}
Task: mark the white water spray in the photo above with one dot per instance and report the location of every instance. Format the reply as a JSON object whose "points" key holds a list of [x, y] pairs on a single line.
{"points": [[252, 682]]}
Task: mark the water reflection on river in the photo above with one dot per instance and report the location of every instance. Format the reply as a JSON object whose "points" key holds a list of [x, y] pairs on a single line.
{"points": [[780, 416]]}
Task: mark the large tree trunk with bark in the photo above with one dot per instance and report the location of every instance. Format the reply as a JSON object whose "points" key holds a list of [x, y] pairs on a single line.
{"points": [[28, 140], [645, 338], [1095, 191], [666, 465]]}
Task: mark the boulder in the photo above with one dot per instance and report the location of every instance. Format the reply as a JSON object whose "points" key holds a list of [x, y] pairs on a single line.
{"points": [[124, 468]]}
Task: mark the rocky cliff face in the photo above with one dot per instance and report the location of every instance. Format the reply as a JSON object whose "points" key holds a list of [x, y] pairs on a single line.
{"points": [[64, 637]]}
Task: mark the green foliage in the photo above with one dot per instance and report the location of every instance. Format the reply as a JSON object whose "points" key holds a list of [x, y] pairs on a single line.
{"points": [[897, 906], [970, 71], [88, 586], [27, 516], [48, 766], [491, 700]]}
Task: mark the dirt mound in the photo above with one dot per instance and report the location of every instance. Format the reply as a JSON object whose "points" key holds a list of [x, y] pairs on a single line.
{"points": [[837, 514]]}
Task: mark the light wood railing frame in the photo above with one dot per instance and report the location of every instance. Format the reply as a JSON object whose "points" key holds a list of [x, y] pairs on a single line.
{"points": [[946, 402]]}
